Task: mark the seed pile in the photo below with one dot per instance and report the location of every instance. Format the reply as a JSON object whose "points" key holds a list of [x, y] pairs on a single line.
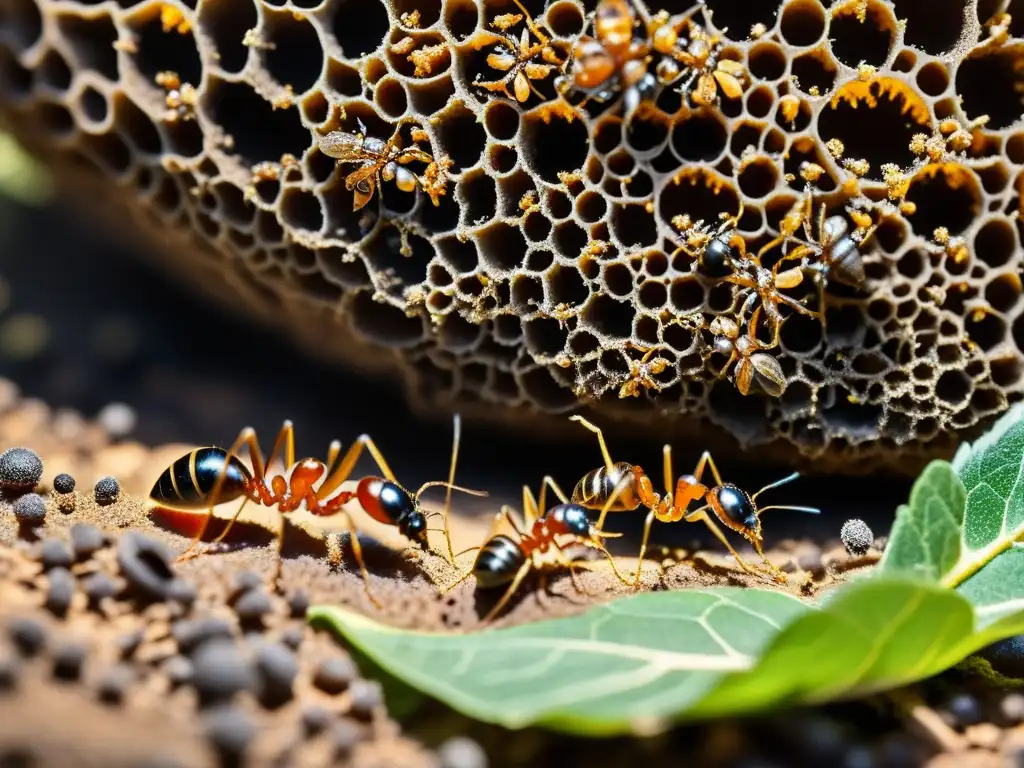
{"points": [[547, 269]]}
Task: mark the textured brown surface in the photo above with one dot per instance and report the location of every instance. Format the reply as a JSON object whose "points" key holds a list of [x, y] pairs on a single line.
{"points": [[548, 257]]}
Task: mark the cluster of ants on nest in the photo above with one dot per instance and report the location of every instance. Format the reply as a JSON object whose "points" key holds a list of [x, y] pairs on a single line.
{"points": [[635, 55], [546, 539]]}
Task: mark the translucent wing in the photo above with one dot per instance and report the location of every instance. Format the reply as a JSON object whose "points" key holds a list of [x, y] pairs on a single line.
{"points": [[346, 147], [769, 373]]}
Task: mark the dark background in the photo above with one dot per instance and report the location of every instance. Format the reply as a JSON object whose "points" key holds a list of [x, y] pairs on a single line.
{"points": [[120, 330]]}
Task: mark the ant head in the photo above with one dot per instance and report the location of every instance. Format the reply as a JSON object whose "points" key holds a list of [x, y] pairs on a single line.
{"points": [[737, 510], [576, 520], [717, 258], [414, 527]]}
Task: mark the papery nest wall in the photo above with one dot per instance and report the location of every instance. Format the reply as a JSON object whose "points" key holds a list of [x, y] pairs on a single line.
{"points": [[548, 268]]}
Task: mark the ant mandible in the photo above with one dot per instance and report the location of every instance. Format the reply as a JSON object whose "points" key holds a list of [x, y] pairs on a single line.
{"points": [[502, 560], [206, 477], [733, 507]]}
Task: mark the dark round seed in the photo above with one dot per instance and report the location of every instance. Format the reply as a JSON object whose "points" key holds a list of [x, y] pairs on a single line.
{"points": [[115, 682], [20, 469], [179, 670], [253, 604], [857, 536], [10, 670], [366, 696], [128, 643], [30, 509], [98, 586], [64, 483], [292, 637], [462, 752], [68, 660], [335, 674], [183, 592], [298, 603], [28, 636], [900, 751], [345, 736], [229, 730], [146, 563], [277, 670], [315, 718], [244, 581], [86, 539], [221, 670], [964, 709], [106, 490], [190, 634], [60, 592], [859, 757], [55, 553]]}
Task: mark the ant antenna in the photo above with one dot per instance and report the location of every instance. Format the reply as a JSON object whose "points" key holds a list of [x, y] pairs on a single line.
{"points": [[808, 510], [777, 483], [456, 440]]}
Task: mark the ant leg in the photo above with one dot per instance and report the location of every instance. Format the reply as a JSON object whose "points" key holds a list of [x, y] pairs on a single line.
{"points": [[357, 551], [285, 439], [571, 567], [516, 582], [701, 515], [348, 463], [456, 440], [608, 464], [643, 548], [333, 452], [549, 481], [246, 438], [707, 461], [666, 460]]}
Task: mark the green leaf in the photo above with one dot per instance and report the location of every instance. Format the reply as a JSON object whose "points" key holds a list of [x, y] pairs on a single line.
{"points": [[21, 177], [643, 662], [925, 539]]}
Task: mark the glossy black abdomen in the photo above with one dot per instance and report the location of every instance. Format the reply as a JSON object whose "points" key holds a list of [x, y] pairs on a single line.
{"points": [[498, 562], [188, 482]]}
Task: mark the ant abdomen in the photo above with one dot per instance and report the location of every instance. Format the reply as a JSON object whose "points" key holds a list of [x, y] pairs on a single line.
{"points": [[597, 486], [734, 507], [384, 501], [567, 519], [498, 562], [189, 481]]}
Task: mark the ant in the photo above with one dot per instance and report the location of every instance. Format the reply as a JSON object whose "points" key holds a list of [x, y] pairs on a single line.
{"points": [[516, 57], [733, 507], [503, 560], [723, 255], [207, 477], [753, 363], [614, 60], [381, 161]]}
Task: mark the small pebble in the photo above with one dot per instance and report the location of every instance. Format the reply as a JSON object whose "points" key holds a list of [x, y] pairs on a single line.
{"points": [[115, 682], [298, 603], [253, 605], [128, 643], [183, 592], [277, 670], [857, 536], [106, 490], [98, 586], [68, 659], [179, 670], [190, 634], [1012, 708], [55, 553], [964, 710], [30, 509], [10, 670], [335, 674], [86, 540], [292, 637], [462, 752], [243, 581], [221, 670], [118, 419], [345, 736], [28, 636], [20, 469], [810, 560], [60, 592], [146, 563], [64, 483], [366, 696], [229, 730], [315, 718]]}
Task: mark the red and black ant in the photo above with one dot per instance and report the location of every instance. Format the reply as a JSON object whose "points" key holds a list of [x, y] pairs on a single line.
{"points": [[733, 507], [207, 477], [503, 560]]}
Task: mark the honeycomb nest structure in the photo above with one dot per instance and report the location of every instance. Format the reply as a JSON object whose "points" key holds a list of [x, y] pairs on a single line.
{"points": [[548, 268]]}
